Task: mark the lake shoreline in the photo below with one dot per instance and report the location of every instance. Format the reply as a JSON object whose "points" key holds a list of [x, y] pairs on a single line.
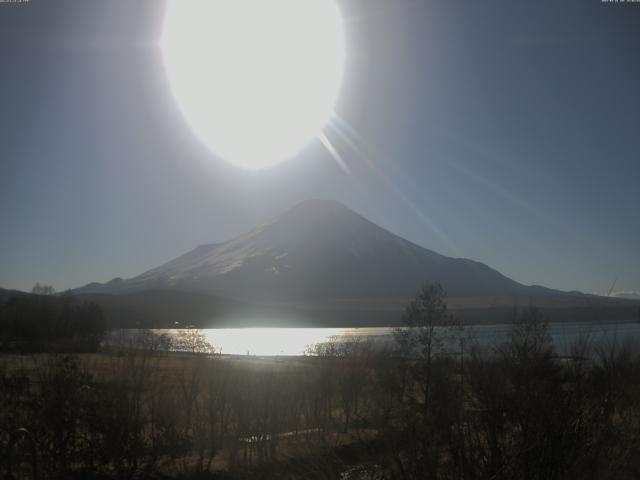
{"points": [[246, 342]]}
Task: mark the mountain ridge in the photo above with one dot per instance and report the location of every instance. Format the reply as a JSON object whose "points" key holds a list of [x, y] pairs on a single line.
{"points": [[319, 250]]}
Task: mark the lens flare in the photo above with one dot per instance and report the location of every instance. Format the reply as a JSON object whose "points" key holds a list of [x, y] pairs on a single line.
{"points": [[256, 80]]}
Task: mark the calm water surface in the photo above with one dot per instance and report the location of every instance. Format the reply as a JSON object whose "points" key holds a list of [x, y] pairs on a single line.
{"points": [[297, 341]]}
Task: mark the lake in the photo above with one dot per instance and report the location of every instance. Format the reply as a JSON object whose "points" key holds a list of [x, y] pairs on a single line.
{"points": [[297, 341]]}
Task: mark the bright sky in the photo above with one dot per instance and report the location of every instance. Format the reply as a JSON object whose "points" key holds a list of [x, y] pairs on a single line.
{"points": [[506, 132]]}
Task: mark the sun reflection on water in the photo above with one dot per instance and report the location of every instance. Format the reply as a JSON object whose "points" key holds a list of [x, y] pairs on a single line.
{"points": [[272, 341]]}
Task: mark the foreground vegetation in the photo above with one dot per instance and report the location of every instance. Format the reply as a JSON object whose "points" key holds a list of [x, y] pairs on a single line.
{"points": [[434, 406]]}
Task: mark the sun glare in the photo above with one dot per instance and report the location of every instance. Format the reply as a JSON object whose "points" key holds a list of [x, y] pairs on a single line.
{"points": [[255, 79]]}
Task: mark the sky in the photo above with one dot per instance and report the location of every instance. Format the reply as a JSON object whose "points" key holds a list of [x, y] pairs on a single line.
{"points": [[503, 131]]}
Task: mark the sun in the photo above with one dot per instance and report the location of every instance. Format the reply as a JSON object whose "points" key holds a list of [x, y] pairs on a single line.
{"points": [[256, 79]]}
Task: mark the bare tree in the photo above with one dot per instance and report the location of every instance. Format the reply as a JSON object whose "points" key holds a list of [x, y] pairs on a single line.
{"points": [[192, 340], [43, 289], [420, 340]]}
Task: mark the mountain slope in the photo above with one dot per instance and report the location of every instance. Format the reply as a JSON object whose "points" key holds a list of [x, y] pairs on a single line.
{"points": [[5, 294], [317, 252]]}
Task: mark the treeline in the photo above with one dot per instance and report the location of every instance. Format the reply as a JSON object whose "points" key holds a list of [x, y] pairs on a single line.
{"points": [[432, 406], [511, 411], [48, 322]]}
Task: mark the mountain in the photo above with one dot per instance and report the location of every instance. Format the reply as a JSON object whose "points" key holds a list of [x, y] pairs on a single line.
{"points": [[5, 294], [321, 263], [317, 252]]}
